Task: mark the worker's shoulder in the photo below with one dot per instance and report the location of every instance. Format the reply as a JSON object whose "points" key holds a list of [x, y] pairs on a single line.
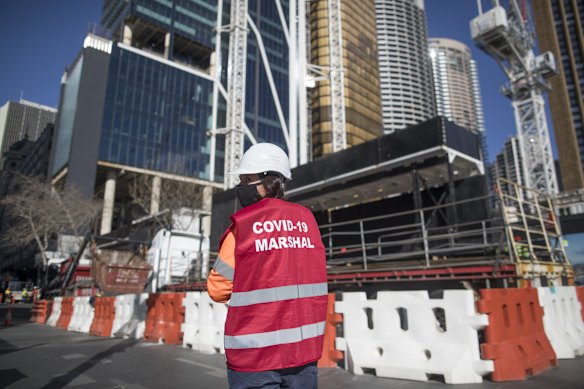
{"points": [[278, 203]]}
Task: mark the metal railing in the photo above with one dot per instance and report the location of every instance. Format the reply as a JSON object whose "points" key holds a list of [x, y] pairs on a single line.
{"points": [[471, 231], [427, 236]]}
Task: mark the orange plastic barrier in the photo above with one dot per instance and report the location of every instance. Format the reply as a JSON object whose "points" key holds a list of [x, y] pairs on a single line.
{"points": [[515, 339], [580, 293], [103, 318], [40, 311], [164, 318], [66, 312], [330, 355]]}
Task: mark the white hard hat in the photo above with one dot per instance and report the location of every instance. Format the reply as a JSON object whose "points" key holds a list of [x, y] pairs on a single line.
{"points": [[264, 157]]}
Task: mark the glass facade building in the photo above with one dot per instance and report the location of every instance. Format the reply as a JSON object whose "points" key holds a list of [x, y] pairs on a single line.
{"points": [[361, 93], [560, 25], [23, 120], [70, 89], [144, 91], [155, 116], [456, 85], [183, 32], [261, 115], [508, 164], [407, 92]]}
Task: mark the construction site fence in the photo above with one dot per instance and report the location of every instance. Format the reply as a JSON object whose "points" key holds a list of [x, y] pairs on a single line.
{"points": [[456, 337]]}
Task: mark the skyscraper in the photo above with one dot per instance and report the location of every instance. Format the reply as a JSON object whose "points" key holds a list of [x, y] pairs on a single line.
{"points": [[183, 32], [360, 74], [139, 97], [559, 25], [508, 164], [456, 83], [23, 119], [407, 93]]}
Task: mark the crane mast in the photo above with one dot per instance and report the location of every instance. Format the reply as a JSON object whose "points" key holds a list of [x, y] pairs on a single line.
{"points": [[506, 36], [234, 136], [295, 126]]}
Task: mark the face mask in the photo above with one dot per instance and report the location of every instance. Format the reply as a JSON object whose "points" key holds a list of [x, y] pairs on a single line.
{"points": [[248, 194]]}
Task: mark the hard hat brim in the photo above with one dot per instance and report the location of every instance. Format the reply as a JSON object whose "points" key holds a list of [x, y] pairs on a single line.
{"points": [[244, 171]]}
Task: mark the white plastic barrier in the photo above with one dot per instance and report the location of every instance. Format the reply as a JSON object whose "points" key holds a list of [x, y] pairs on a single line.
{"points": [[82, 315], [55, 312], [204, 324], [130, 317], [562, 320], [399, 336]]}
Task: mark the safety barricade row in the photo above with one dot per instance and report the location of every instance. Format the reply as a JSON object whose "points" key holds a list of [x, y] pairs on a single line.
{"points": [[562, 320], [406, 335], [204, 323]]}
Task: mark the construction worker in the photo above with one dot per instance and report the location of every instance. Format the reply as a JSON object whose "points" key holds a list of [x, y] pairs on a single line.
{"points": [[24, 296], [522, 249], [271, 268], [7, 296]]}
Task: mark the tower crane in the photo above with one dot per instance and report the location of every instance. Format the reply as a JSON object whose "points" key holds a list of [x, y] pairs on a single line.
{"points": [[301, 75], [506, 36]]}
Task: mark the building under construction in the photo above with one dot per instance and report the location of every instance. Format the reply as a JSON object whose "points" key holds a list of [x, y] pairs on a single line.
{"points": [[412, 209]]}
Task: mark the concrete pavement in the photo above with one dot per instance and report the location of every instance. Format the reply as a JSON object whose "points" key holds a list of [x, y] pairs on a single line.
{"points": [[38, 356]]}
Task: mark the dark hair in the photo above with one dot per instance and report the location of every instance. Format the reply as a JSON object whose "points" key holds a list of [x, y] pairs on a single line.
{"points": [[274, 183]]}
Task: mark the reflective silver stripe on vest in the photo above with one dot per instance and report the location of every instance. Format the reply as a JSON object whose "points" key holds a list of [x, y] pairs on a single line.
{"points": [[224, 269], [273, 338], [280, 293]]}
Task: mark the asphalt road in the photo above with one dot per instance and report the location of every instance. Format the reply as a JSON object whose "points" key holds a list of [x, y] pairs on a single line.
{"points": [[39, 356]]}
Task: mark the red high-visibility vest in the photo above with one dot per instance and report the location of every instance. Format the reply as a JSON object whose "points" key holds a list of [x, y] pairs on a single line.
{"points": [[277, 310]]}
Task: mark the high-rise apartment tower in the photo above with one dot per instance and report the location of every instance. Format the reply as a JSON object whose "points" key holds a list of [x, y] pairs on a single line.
{"points": [[23, 119], [407, 92], [456, 83], [560, 26], [360, 74], [508, 164]]}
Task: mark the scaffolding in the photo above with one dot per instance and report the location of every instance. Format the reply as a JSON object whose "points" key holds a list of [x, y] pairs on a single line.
{"points": [[533, 229], [295, 125]]}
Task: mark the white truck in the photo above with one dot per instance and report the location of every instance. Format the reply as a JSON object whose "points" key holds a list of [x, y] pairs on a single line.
{"points": [[178, 256]]}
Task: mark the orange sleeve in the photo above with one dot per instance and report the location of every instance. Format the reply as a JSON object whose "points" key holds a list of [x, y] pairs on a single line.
{"points": [[220, 279]]}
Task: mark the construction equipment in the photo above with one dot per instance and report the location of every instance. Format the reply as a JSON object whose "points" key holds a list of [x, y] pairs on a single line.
{"points": [[507, 37], [119, 271]]}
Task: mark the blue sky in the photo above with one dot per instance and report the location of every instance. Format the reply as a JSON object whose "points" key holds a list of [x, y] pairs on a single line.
{"points": [[38, 38]]}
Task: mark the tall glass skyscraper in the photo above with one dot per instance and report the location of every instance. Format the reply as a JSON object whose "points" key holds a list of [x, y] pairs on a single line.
{"points": [[261, 115], [23, 120], [456, 85], [559, 25], [407, 93], [361, 77], [508, 164], [139, 96]]}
